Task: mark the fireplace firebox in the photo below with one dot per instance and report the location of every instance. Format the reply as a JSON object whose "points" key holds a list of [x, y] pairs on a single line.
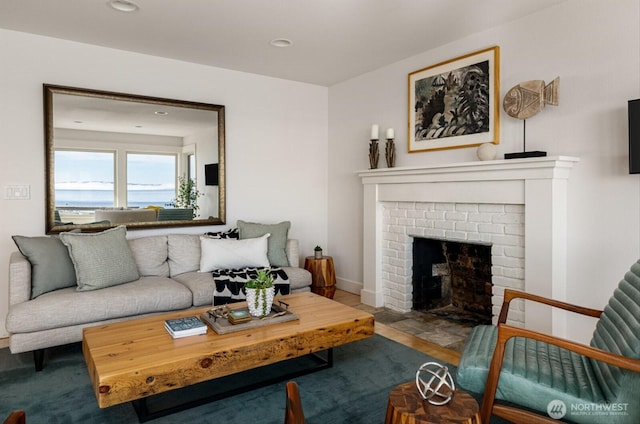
{"points": [[452, 278]]}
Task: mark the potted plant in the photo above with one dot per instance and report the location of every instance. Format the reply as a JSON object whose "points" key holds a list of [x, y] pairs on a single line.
{"points": [[187, 195], [318, 252], [260, 292]]}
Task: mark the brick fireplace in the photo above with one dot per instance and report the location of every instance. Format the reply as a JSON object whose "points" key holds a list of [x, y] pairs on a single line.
{"points": [[452, 278], [518, 207]]}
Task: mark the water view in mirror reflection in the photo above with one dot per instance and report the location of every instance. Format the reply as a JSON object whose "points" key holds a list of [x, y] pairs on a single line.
{"points": [[86, 180]]}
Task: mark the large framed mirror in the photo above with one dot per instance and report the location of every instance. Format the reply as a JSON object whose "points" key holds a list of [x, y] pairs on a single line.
{"points": [[125, 159]]}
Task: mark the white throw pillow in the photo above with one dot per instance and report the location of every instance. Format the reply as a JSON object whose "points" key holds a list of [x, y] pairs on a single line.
{"points": [[233, 254]]}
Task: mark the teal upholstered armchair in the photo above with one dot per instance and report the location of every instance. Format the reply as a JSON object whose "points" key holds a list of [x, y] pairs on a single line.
{"points": [[549, 376], [180, 214]]}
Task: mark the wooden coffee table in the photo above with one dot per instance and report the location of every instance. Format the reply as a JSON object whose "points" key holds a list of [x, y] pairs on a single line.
{"points": [[132, 360]]}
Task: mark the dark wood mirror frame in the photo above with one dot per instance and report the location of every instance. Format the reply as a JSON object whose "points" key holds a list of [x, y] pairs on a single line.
{"points": [[50, 206]]}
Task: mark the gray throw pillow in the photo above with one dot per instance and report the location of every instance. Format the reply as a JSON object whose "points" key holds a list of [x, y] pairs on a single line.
{"points": [[51, 266], [277, 252], [150, 254], [184, 253], [101, 259]]}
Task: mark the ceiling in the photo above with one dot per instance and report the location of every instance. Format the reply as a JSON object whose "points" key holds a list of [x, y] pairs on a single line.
{"points": [[88, 113], [333, 40]]}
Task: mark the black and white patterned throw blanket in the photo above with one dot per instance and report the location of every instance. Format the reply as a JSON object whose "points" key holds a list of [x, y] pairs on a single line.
{"points": [[230, 283]]}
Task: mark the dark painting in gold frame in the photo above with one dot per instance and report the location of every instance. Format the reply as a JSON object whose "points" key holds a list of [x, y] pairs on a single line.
{"points": [[455, 103]]}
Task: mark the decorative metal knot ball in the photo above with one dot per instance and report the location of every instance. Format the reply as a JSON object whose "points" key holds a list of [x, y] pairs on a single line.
{"points": [[435, 383]]}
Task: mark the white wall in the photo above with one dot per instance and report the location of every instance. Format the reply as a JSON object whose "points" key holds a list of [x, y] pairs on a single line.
{"points": [[594, 47], [276, 132], [206, 152]]}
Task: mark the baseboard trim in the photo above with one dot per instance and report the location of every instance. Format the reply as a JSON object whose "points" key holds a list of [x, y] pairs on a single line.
{"points": [[349, 286]]}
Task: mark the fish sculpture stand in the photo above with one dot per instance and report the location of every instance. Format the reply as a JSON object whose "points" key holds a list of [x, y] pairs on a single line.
{"points": [[526, 100]]}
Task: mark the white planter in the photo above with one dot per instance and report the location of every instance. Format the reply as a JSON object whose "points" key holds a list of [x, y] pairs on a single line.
{"points": [[257, 307]]}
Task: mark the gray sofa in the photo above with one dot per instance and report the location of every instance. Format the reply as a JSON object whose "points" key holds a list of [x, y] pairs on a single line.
{"points": [[170, 280]]}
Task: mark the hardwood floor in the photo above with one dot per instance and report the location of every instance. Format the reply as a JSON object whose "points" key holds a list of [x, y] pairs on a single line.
{"points": [[413, 342]]}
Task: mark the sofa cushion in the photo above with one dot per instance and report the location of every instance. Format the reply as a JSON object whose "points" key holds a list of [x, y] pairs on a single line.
{"points": [[201, 286], [101, 259], [150, 254], [277, 242], [233, 254], [51, 266], [299, 278], [184, 253], [68, 307]]}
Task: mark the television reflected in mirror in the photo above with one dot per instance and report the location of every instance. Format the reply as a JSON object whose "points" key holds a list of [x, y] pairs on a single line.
{"points": [[634, 136], [125, 159]]}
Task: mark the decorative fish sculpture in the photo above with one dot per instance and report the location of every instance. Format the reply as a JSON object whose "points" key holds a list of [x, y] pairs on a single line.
{"points": [[529, 97]]}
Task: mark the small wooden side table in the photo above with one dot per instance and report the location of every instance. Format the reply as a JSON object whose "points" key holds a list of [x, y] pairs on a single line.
{"points": [[406, 406], [323, 275]]}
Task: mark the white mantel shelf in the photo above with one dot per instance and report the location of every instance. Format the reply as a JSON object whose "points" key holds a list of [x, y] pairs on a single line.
{"points": [[540, 184], [542, 167]]}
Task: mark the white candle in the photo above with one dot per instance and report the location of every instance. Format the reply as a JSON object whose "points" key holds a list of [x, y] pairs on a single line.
{"points": [[390, 133], [374, 132]]}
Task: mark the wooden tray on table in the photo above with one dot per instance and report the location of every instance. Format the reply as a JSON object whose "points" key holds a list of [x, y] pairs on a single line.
{"points": [[220, 324]]}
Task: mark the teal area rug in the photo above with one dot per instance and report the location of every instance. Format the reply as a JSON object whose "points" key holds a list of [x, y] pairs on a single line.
{"points": [[355, 390]]}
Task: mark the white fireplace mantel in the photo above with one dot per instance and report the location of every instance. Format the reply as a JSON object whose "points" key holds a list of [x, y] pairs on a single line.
{"points": [[540, 184]]}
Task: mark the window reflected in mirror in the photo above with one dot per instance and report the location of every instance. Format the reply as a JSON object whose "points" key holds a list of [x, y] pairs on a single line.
{"points": [[151, 180]]}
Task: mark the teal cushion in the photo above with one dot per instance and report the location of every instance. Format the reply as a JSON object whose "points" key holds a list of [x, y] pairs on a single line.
{"points": [[276, 253], [533, 374], [51, 266], [101, 259], [476, 357]]}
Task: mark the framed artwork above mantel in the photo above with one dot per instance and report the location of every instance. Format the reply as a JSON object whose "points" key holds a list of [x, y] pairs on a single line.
{"points": [[455, 103]]}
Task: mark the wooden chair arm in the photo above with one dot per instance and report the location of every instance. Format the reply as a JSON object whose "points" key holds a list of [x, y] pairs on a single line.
{"points": [[505, 332], [509, 295]]}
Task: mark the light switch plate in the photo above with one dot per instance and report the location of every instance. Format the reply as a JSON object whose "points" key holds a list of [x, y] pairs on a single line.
{"points": [[17, 192]]}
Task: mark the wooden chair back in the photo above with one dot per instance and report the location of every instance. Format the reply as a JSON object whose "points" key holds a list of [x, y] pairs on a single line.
{"points": [[294, 413], [16, 417]]}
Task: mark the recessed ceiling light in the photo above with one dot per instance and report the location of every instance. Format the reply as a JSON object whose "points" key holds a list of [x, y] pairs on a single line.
{"points": [[123, 6], [161, 112], [281, 42]]}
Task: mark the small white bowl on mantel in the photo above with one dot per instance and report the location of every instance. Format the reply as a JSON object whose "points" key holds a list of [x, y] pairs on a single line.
{"points": [[487, 151]]}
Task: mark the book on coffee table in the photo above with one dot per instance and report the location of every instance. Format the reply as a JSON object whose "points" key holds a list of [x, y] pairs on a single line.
{"points": [[183, 327]]}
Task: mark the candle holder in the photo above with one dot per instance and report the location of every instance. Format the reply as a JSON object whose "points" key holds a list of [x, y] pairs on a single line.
{"points": [[374, 154], [390, 153]]}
